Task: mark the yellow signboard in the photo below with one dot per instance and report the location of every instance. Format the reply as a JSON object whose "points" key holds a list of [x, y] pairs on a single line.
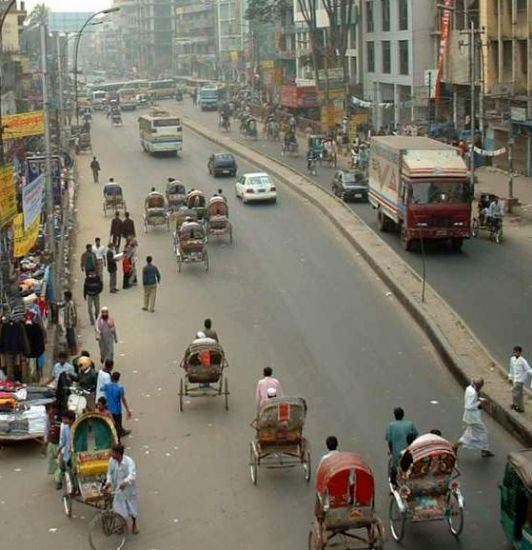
{"points": [[234, 55], [24, 124], [8, 195], [267, 64], [24, 240]]}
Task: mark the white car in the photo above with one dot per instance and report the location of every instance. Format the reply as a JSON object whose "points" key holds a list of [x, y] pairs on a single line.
{"points": [[257, 186]]}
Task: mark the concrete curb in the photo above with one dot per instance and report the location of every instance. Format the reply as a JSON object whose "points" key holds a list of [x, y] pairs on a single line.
{"points": [[459, 349]]}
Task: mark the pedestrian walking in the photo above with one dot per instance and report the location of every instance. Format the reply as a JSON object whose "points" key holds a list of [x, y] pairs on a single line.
{"points": [[100, 252], [112, 267], [475, 435], [195, 97], [88, 260], [520, 372], [397, 438], [104, 377], [126, 270], [92, 288], [128, 226], [70, 321], [106, 334], [95, 167], [130, 250], [150, 279], [116, 230], [115, 394], [122, 481]]}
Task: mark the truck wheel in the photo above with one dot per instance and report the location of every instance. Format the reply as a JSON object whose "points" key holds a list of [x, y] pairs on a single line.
{"points": [[457, 244], [405, 241], [383, 225]]}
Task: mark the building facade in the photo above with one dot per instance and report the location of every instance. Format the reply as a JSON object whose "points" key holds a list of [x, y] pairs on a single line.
{"points": [[399, 46]]}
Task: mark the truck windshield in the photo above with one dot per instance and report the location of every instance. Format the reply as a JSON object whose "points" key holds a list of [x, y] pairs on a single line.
{"points": [[438, 192]]}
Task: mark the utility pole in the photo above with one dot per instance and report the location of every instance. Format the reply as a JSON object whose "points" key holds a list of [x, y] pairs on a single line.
{"points": [[472, 75], [50, 237]]}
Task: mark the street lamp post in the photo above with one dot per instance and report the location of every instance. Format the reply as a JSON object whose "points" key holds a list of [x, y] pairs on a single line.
{"points": [[104, 12], [2, 21]]}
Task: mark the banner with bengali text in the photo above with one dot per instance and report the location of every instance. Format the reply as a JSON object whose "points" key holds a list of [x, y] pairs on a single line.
{"points": [[23, 124], [8, 195], [24, 241], [445, 29], [32, 194]]}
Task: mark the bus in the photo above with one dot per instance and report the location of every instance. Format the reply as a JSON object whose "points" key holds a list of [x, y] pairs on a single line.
{"points": [[127, 97], [208, 98], [161, 132], [138, 85], [162, 88], [98, 100]]}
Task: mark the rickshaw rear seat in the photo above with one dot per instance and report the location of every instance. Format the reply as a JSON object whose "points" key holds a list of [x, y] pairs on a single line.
{"points": [[428, 486], [348, 517], [93, 463]]}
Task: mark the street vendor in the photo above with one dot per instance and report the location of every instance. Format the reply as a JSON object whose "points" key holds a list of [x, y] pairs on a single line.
{"points": [[60, 367], [122, 481]]}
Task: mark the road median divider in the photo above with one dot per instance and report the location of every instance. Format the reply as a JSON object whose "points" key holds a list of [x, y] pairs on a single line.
{"points": [[456, 344]]}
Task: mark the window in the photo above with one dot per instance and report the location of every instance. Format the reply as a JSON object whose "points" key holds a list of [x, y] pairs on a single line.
{"points": [[353, 36], [385, 6], [369, 16], [521, 5], [403, 57], [386, 57], [403, 15], [371, 57]]}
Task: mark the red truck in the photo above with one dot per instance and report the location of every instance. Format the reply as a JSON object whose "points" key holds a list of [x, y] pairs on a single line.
{"points": [[422, 187]]}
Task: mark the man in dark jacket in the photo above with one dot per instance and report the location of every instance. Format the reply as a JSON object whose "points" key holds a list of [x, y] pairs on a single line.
{"points": [[111, 266], [88, 260], [95, 167], [128, 227], [116, 230], [150, 279], [91, 292]]}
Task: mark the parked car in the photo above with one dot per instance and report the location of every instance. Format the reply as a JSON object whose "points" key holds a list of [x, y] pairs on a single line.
{"points": [[350, 185], [222, 164], [257, 186]]}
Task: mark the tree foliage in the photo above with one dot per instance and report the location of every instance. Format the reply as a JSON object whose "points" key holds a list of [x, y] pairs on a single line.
{"points": [[38, 16], [267, 11]]}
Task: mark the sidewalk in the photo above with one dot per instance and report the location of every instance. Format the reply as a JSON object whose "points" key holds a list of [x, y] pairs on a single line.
{"points": [[494, 180]]}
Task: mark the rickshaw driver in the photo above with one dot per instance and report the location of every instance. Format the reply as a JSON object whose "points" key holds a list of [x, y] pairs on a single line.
{"points": [[495, 212], [152, 193], [312, 157], [110, 187], [332, 447]]}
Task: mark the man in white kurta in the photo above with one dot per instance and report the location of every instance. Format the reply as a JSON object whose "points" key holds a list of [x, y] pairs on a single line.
{"points": [[475, 435], [122, 480]]}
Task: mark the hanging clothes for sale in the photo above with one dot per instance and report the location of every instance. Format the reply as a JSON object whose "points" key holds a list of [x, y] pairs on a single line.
{"points": [[36, 337], [13, 337]]}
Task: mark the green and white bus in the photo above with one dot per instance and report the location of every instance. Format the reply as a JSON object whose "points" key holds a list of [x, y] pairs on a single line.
{"points": [[160, 132]]}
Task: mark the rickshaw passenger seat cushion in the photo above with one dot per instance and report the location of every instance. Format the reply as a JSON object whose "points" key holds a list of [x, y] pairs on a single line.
{"points": [[93, 468]]}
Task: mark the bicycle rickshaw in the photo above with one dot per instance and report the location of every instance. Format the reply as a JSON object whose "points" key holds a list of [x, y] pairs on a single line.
{"points": [[155, 213], [427, 488], [197, 201], [204, 363], [83, 143], [315, 143], [218, 223], [483, 223], [516, 500], [92, 436], [328, 155], [113, 198], [279, 441], [175, 194], [190, 242], [345, 505], [116, 118]]}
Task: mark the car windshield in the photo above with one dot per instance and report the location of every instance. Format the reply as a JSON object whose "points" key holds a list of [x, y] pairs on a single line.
{"points": [[259, 181], [438, 192], [353, 179]]}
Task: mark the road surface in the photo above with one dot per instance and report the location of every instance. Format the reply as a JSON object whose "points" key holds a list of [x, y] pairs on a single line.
{"points": [[288, 293], [487, 284]]}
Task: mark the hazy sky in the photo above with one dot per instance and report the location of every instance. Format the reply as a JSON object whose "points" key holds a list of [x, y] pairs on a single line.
{"points": [[71, 5]]}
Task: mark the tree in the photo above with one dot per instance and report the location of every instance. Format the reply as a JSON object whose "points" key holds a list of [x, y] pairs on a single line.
{"points": [[38, 16], [340, 15], [308, 9], [267, 11]]}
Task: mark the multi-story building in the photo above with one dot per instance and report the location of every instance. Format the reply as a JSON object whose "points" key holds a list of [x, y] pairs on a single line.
{"points": [[156, 36], [128, 29], [400, 45], [233, 41], [195, 43], [507, 76]]}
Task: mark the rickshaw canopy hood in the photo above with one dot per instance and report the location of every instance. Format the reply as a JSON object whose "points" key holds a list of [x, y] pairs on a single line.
{"points": [[429, 445], [522, 462], [344, 473]]}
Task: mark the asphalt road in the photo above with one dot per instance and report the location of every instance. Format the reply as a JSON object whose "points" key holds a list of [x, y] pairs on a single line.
{"points": [[288, 293], [488, 285]]}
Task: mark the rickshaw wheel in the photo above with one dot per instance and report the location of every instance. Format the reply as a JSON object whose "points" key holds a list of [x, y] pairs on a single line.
{"points": [[109, 524], [231, 235], [475, 227], [397, 520], [376, 535], [181, 395], [67, 497], [498, 236], [206, 261], [307, 465], [179, 264], [253, 464], [313, 542], [455, 517], [226, 393]]}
